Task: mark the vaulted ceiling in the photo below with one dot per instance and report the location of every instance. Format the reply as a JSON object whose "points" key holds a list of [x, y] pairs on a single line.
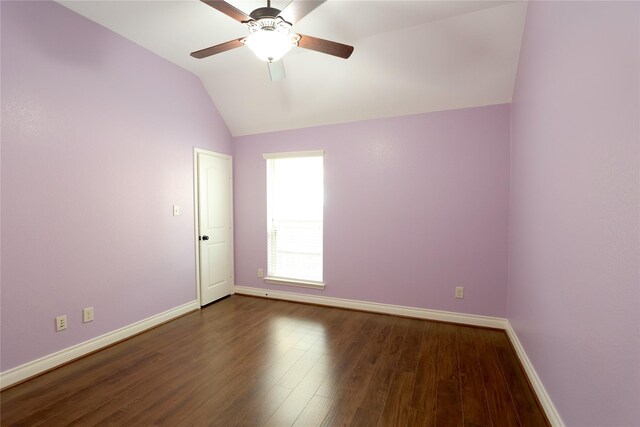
{"points": [[410, 57]]}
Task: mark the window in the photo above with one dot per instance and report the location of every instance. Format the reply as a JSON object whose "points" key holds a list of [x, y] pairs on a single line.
{"points": [[295, 194]]}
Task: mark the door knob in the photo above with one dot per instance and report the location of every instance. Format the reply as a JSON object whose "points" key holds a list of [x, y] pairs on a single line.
{"points": [[205, 237]]}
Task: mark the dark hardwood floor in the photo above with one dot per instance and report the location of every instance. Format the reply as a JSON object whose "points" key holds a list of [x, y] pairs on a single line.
{"points": [[253, 362]]}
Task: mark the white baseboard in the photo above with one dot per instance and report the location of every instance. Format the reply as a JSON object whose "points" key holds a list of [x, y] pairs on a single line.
{"points": [[536, 383], [38, 366], [398, 310]]}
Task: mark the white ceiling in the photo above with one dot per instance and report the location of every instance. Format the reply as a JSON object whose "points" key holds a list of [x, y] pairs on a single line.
{"points": [[410, 57]]}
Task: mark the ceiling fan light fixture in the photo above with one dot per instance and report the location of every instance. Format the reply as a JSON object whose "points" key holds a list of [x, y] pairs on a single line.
{"points": [[269, 38]]}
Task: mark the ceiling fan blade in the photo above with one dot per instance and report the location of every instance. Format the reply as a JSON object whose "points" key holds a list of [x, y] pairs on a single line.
{"points": [[227, 9], [276, 71], [223, 47], [325, 46], [298, 9]]}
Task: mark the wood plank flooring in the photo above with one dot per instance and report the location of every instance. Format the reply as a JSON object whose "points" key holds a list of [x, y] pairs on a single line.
{"points": [[255, 362]]}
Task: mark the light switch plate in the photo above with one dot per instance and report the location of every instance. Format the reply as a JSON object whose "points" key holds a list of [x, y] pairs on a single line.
{"points": [[176, 210]]}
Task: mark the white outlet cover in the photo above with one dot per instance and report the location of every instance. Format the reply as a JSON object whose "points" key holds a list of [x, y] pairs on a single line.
{"points": [[61, 323], [87, 315]]}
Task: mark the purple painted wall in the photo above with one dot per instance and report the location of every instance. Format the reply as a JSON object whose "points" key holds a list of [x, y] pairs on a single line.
{"points": [[414, 206], [97, 137], [574, 257]]}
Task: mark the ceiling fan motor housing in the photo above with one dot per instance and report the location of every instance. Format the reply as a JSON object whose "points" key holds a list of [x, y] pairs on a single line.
{"points": [[265, 12], [269, 24]]}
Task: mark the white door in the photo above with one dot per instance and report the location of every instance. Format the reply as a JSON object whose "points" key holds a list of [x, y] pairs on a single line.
{"points": [[215, 227]]}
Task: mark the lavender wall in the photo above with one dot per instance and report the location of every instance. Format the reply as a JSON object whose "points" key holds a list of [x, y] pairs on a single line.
{"points": [[97, 137], [574, 258], [414, 206]]}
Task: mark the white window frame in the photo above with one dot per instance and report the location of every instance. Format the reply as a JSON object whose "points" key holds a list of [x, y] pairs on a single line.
{"points": [[289, 281]]}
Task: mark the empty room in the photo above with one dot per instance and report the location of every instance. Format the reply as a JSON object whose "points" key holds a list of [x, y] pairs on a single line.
{"points": [[320, 213]]}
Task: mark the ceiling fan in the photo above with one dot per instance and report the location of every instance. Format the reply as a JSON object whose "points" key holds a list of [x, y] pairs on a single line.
{"points": [[270, 37]]}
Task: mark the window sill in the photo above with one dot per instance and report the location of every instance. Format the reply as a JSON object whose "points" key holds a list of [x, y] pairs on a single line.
{"points": [[292, 282]]}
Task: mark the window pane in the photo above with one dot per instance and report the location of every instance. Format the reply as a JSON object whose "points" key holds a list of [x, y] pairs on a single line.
{"points": [[295, 202]]}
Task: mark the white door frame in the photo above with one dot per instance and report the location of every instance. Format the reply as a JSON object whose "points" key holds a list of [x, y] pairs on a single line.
{"points": [[196, 209]]}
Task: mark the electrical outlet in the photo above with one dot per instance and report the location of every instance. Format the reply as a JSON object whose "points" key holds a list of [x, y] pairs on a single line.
{"points": [[260, 273], [61, 323], [459, 292], [87, 315]]}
